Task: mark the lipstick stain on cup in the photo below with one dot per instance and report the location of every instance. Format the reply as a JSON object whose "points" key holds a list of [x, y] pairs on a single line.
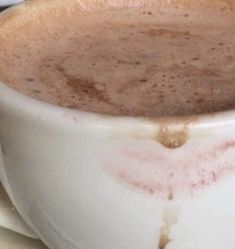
{"points": [[170, 159], [155, 171]]}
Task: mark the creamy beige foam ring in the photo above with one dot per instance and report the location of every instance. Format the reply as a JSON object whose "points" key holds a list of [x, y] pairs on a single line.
{"points": [[139, 61]]}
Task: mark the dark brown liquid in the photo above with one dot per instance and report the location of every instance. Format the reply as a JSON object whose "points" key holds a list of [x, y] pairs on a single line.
{"points": [[140, 61]]}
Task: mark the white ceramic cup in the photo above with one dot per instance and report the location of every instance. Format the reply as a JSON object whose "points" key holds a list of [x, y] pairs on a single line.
{"points": [[87, 181]]}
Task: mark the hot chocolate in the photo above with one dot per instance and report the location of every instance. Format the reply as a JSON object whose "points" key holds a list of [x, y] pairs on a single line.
{"points": [[138, 61]]}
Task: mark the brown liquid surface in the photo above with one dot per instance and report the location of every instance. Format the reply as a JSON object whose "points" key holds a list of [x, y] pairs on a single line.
{"points": [[140, 61]]}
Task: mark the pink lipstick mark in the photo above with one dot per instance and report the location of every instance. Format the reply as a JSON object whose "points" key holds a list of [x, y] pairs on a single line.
{"points": [[166, 172]]}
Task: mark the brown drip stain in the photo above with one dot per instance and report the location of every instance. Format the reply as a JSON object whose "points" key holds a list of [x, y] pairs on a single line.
{"points": [[171, 195], [170, 218], [164, 241], [172, 139], [173, 131]]}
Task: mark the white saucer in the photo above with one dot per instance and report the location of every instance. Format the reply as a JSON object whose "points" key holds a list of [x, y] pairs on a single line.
{"points": [[12, 240], [9, 239]]}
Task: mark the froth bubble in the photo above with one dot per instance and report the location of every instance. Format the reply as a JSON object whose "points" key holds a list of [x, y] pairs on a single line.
{"points": [[99, 87]]}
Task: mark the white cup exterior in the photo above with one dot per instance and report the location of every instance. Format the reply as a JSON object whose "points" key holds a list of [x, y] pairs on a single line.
{"points": [[61, 169]]}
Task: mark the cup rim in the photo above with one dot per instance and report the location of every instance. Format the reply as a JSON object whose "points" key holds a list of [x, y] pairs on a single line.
{"points": [[16, 101]]}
